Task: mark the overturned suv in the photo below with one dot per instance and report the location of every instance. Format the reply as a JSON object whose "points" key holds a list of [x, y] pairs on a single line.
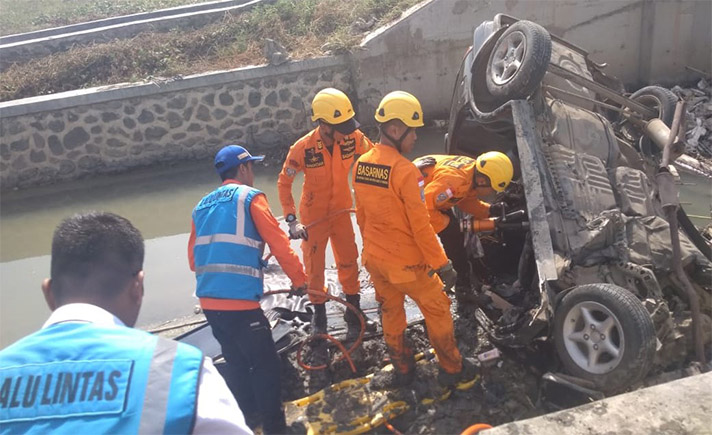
{"points": [[591, 269]]}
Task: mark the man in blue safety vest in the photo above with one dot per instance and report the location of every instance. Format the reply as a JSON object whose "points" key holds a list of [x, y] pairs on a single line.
{"points": [[87, 370], [231, 226]]}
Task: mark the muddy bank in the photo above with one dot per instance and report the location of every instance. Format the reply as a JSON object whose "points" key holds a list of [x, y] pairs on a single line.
{"points": [[509, 389]]}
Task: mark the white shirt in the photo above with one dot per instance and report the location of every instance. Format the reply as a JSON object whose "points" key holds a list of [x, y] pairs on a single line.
{"points": [[216, 411]]}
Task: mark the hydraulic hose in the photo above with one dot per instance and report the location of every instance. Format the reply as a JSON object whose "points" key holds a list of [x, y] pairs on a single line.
{"points": [[325, 218], [318, 221], [476, 428], [346, 353]]}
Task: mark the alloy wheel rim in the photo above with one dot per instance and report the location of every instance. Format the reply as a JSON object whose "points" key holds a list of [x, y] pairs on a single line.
{"points": [[508, 57], [593, 337]]}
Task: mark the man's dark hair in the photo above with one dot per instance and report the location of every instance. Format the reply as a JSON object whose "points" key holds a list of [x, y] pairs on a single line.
{"points": [[95, 255], [230, 173]]}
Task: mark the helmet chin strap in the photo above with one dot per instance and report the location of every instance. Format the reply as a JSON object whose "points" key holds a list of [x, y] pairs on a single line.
{"points": [[329, 135], [397, 142]]}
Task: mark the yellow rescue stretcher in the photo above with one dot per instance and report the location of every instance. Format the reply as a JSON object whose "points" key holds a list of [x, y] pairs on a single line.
{"points": [[352, 407]]}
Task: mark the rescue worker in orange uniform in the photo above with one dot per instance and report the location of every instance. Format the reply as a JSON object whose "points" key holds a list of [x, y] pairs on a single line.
{"points": [[326, 154], [400, 249], [461, 181]]}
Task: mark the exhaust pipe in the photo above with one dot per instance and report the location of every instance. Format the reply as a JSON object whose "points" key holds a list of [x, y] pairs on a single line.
{"points": [[668, 193], [660, 134]]}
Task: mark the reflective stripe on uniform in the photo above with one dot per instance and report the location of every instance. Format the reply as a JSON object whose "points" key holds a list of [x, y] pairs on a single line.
{"points": [[240, 221], [228, 268], [228, 238], [239, 237], [160, 372]]}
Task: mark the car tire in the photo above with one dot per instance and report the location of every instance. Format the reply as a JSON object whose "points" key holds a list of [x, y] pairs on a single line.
{"points": [[604, 334], [660, 99], [518, 61]]}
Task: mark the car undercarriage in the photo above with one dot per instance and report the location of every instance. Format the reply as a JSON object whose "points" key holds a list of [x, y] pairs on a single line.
{"points": [[594, 269]]}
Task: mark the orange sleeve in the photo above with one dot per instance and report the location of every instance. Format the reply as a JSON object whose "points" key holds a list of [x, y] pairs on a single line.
{"points": [[277, 240], [191, 246], [474, 206], [292, 164], [433, 190], [360, 215], [363, 144], [418, 217]]}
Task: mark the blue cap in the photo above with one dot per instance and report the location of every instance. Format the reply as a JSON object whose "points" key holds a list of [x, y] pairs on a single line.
{"points": [[232, 156]]}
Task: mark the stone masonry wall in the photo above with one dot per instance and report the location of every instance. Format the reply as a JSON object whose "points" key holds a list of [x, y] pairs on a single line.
{"points": [[264, 107]]}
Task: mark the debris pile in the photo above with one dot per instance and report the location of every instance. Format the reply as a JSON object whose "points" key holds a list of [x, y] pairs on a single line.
{"points": [[507, 390], [699, 118]]}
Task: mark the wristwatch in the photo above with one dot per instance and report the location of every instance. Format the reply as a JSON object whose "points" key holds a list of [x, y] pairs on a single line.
{"points": [[290, 218]]}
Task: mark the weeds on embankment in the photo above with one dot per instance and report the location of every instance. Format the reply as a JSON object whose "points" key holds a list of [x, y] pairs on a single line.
{"points": [[306, 28], [21, 16]]}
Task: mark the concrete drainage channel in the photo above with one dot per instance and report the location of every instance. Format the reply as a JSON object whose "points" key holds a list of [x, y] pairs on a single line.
{"points": [[26, 46]]}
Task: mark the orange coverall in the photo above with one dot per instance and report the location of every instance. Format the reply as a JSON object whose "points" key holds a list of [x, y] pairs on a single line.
{"points": [[399, 249], [325, 192], [449, 183]]}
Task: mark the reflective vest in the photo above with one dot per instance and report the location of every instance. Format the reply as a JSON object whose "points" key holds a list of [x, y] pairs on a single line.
{"points": [[82, 378], [228, 249]]}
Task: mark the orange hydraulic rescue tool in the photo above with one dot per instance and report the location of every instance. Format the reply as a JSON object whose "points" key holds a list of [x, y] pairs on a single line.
{"points": [[494, 223]]}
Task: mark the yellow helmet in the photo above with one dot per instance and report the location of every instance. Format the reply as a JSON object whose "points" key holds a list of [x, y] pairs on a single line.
{"points": [[497, 167], [400, 105], [332, 106]]}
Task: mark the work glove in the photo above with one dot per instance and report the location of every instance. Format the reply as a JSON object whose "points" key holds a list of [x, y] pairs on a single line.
{"points": [[497, 209], [298, 291], [297, 231], [447, 275]]}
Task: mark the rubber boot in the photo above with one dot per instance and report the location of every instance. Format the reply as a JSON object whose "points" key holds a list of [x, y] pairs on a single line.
{"points": [[318, 323], [352, 322], [468, 372], [402, 373], [406, 361]]}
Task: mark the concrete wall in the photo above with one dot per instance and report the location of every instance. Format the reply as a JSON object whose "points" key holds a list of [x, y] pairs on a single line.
{"points": [[643, 41], [66, 136]]}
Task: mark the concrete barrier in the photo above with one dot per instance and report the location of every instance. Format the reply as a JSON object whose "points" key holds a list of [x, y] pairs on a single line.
{"points": [[678, 407], [54, 31], [25, 50]]}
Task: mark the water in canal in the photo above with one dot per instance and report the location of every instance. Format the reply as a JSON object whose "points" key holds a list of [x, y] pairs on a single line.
{"points": [[159, 202]]}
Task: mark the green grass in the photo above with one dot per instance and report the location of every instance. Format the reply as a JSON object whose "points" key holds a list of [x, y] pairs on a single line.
{"points": [[20, 16], [302, 26]]}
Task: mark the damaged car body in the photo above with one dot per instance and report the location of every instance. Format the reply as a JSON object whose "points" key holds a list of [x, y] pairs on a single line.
{"points": [[587, 263]]}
